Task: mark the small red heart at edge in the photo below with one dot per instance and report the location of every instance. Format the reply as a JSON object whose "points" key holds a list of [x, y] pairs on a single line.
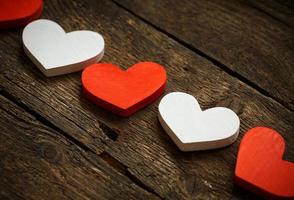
{"points": [[14, 13], [260, 167]]}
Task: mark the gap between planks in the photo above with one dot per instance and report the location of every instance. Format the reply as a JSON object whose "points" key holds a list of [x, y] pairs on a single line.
{"points": [[111, 134], [214, 61], [45, 121], [121, 168]]}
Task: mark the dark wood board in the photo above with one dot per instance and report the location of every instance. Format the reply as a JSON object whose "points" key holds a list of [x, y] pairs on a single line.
{"points": [[135, 148], [37, 162], [280, 10], [241, 37]]}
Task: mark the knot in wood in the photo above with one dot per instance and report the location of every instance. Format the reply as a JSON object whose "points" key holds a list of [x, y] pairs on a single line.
{"points": [[50, 152]]}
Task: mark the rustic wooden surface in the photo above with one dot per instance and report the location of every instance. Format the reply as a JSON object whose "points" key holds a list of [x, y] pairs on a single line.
{"points": [[54, 144]]}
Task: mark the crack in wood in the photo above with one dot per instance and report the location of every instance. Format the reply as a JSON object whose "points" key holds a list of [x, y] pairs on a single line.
{"points": [[109, 132], [106, 130], [56, 154], [209, 58], [113, 135]]}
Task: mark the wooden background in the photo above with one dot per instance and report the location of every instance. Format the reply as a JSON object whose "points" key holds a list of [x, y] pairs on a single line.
{"points": [[55, 144]]}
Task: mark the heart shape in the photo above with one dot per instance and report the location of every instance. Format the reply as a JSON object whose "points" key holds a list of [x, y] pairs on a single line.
{"points": [[193, 129], [14, 13], [260, 167], [56, 52], [124, 92]]}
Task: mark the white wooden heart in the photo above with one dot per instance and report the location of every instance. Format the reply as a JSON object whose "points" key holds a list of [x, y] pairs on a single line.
{"points": [[56, 52], [193, 129]]}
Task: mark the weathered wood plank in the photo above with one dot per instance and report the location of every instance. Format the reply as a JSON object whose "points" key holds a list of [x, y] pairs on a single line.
{"points": [[257, 47], [138, 142], [281, 10], [37, 162]]}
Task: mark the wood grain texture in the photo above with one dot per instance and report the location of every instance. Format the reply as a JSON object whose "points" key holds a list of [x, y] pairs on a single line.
{"points": [[37, 162], [137, 146], [238, 37], [281, 10]]}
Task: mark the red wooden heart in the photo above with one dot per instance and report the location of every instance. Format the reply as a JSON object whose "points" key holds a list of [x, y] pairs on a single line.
{"points": [[14, 13], [260, 167], [124, 92]]}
